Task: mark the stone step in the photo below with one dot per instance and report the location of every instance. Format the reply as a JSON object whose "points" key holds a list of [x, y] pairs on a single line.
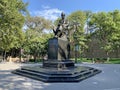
{"points": [[73, 77], [42, 71], [29, 76], [50, 79], [83, 72], [55, 75]]}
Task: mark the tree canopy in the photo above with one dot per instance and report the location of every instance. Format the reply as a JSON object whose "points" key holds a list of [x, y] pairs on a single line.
{"points": [[35, 38], [11, 23], [78, 19], [106, 28]]}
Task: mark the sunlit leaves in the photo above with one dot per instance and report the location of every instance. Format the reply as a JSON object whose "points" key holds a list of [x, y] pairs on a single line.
{"points": [[106, 29], [79, 35], [35, 38], [11, 23]]}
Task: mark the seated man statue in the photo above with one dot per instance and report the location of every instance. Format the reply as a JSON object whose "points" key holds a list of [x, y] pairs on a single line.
{"points": [[62, 27]]}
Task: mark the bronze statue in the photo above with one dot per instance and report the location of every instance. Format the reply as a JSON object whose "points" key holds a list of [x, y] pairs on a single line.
{"points": [[65, 29], [62, 27]]}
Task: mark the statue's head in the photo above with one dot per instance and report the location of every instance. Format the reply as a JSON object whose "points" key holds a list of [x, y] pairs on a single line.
{"points": [[62, 15]]}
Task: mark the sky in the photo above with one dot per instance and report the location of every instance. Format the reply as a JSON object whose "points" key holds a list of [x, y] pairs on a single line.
{"points": [[51, 9]]}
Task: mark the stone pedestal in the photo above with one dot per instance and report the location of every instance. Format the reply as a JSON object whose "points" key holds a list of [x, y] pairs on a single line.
{"points": [[58, 49], [58, 54]]}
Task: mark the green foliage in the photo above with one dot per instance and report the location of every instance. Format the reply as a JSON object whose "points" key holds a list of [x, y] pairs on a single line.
{"points": [[100, 60], [80, 60], [113, 61], [35, 39], [11, 23], [38, 60], [78, 19], [106, 28], [56, 21], [115, 37], [37, 23]]}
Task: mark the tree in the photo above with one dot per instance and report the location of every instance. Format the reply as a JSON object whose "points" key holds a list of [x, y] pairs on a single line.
{"points": [[106, 29], [37, 24], [78, 21], [11, 23], [78, 18], [35, 38], [115, 38]]}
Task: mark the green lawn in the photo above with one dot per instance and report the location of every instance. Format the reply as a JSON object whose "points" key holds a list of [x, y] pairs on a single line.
{"points": [[114, 61], [100, 60], [80, 60]]}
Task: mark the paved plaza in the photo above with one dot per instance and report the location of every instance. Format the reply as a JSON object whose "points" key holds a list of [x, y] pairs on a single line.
{"points": [[109, 79]]}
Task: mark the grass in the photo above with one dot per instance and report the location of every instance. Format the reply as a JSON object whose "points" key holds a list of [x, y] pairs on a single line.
{"points": [[114, 61], [79, 60], [98, 60]]}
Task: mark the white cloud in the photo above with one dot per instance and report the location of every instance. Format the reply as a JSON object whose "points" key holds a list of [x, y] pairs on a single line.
{"points": [[48, 13], [45, 7]]}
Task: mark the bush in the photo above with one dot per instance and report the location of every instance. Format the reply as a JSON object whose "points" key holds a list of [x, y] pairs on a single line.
{"points": [[33, 60]]}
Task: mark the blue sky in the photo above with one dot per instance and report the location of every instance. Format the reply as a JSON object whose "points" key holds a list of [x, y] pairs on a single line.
{"points": [[51, 9]]}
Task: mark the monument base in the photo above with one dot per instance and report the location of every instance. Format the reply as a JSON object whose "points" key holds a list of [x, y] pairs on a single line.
{"points": [[45, 74], [58, 63]]}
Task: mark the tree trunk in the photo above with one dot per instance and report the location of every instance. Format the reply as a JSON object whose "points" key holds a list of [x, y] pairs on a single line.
{"points": [[35, 57], [117, 52], [93, 60], [20, 55], [108, 58], [4, 55]]}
